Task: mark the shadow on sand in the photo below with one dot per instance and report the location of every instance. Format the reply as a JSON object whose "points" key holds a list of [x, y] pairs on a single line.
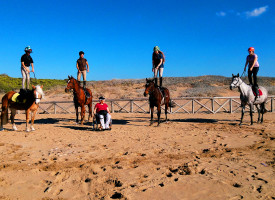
{"points": [[195, 120], [120, 121]]}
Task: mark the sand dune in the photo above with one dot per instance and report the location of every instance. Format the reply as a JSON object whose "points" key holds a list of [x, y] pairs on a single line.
{"points": [[199, 156]]}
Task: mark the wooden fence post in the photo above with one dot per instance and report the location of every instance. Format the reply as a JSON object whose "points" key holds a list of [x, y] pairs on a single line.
{"points": [[131, 106], [213, 101], [230, 105], [193, 107], [112, 107], [271, 104], [54, 108]]}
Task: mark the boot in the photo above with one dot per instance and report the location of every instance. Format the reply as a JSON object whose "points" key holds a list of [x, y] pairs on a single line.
{"points": [[160, 81], [257, 91], [156, 82]]}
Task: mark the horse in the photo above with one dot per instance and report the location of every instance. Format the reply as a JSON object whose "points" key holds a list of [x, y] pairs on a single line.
{"points": [[80, 100], [157, 98], [30, 104], [248, 98]]}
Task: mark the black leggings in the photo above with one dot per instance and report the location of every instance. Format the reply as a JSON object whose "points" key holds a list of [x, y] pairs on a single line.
{"points": [[254, 72]]}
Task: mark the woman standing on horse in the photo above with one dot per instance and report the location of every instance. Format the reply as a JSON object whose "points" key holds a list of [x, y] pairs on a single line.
{"points": [[158, 60], [253, 68], [26, 61]]}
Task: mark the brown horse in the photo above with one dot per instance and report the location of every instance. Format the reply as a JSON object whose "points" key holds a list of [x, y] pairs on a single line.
{"points": [[80, 99], [33, 98], [157, 98]]}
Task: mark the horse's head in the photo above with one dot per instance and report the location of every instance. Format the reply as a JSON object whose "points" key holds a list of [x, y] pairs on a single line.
{"points": [[150, 85], [236, 81], [71, 84], [38, 93]]}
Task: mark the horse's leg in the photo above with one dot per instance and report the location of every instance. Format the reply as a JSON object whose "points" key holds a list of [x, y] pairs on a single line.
{"points": [[166, 108], [262, 111], [259, 112], [27, 120], [251, 113], [76, 113], [243, 107], [82, 114], [13, 112], [159, 111], [90, 111], [32, 122], [152, 112], [4, 117]]}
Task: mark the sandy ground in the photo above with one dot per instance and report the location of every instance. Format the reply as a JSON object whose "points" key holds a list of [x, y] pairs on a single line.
{"points": [[201, 156]]}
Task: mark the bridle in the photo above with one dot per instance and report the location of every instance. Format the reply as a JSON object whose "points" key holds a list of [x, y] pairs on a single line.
{"points": [[235, 84], [37, 97], [150, 91]]}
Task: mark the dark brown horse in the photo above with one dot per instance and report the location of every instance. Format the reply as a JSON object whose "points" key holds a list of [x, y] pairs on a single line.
{"points": [[30, 104], [157, 97], [80, 100]]}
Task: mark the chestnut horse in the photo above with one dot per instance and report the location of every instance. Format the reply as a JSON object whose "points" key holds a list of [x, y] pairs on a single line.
{"points": [[32, 100], [80, 99], [157, 98]]}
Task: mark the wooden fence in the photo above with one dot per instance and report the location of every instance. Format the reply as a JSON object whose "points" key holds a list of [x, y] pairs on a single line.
{"points": [[189, 105]]}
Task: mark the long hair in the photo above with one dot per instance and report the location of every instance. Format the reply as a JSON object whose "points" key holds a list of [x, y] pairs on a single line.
{"points": [[162, 56]]}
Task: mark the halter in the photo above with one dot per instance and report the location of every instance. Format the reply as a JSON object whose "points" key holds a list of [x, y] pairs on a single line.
{"points": [[151, 91], [37, 96], [237, 82]]}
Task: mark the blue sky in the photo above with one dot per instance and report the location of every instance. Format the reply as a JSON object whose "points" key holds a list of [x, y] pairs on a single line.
{"points": [[198, 37]]}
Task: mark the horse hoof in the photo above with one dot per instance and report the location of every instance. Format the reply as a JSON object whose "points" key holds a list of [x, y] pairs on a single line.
{"points": [[27, 130], [32, 129], [14, 128], [1, 129]]}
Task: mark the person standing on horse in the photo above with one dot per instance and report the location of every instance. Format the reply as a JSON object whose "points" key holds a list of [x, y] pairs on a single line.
{"points": [[26, 62], [82, 68], [253, 68], [158, 60]]}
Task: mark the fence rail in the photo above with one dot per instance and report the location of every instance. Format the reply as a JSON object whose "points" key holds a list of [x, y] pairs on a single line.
{"points": [[189, 105]]}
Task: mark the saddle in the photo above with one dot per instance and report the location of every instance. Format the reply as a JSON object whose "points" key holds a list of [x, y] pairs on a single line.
{"points": [[21, 97], [256, 91], [161, 89], [87, 94]]}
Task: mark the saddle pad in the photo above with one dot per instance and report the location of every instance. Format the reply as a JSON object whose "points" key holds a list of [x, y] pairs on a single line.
{"points": [[14, 97], [260, 93]]}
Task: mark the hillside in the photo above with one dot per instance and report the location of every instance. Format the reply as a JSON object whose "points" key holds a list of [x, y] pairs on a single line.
{"points": [[134, 88]]}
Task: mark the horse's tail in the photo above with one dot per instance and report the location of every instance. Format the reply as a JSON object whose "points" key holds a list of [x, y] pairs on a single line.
{"points": [[172, 104], [5, 111]]}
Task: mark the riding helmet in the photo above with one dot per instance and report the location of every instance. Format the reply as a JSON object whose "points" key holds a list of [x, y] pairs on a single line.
{"points": [[251, 49], [156, 48], [28, 49]]}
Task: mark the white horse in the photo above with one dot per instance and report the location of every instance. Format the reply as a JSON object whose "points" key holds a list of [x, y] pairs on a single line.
{"points": [[248, 98]]}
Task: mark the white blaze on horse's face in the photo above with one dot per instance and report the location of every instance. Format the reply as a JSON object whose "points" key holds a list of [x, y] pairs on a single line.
{"points": [[37, 99], [38, 94]]}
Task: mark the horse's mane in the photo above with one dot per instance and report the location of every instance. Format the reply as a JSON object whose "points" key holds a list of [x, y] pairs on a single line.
{"points": [[39, 90]]}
